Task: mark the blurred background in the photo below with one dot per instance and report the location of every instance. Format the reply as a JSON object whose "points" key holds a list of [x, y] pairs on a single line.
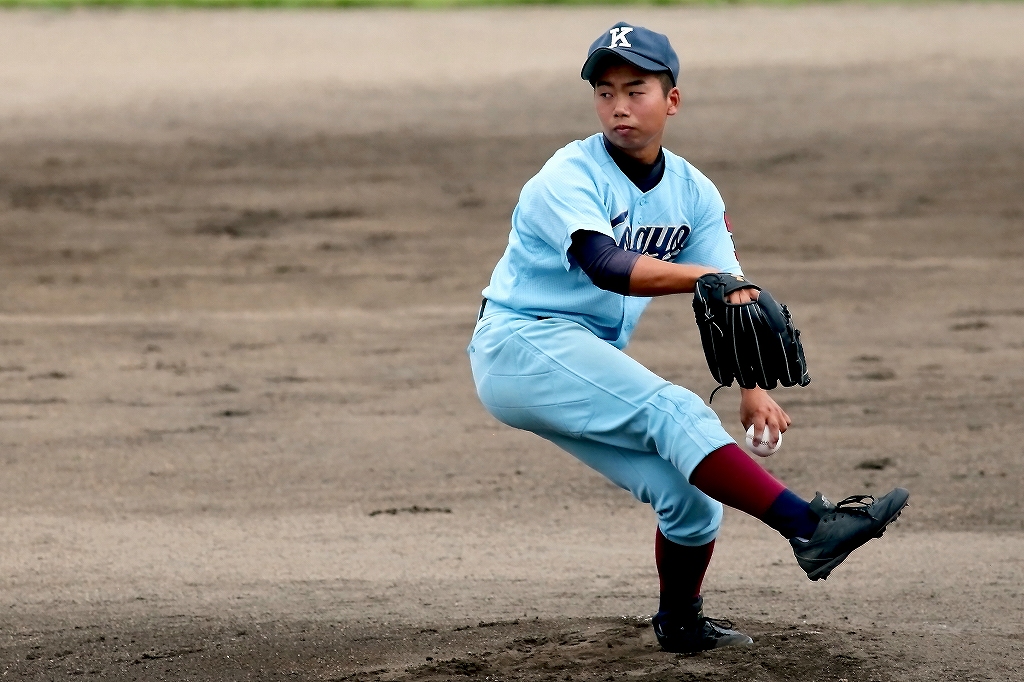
{"points": [[242, 252]]}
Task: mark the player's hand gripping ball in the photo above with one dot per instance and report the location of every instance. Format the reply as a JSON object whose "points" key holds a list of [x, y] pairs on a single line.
{"points": [[762, 446]]}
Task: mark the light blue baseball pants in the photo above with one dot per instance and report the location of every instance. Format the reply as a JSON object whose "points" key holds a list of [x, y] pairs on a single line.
{"points": [[555, 378]]}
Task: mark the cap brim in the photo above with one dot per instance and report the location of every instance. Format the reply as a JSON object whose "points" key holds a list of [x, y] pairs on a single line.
{"points": [[641, 62]]}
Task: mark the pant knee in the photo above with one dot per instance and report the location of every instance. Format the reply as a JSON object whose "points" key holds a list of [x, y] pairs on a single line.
{"points": [[692, 520], [683, 429]]}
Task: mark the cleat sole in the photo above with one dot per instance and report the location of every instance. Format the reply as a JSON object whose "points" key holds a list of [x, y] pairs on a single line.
{"points": [[823, 572], [891, 522]]}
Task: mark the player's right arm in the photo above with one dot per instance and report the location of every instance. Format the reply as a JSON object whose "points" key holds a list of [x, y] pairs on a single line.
{"points": [[654, 277], [709, 249], [633, 274]]}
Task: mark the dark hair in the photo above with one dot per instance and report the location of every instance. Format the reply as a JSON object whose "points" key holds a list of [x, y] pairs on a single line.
{"points": [[666, 81], [664, 77]]}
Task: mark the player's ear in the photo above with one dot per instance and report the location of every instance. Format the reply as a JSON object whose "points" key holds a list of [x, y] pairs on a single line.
{"points": [[675, 100]]}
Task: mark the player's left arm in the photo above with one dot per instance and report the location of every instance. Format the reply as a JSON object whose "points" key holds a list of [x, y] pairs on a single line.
{"points": [[712, 242], [632, 274], [653, 277], [757, 408]]}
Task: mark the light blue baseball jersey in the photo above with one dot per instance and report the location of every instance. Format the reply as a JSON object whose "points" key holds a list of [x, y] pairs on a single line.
{"points": [[682, 219]]}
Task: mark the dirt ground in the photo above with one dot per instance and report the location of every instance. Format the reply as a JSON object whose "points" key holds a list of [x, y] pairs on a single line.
{"points": [[241, 259]]}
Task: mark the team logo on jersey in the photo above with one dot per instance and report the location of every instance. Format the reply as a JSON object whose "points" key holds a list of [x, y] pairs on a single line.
{"points": [[619, 36], [663, 243]]}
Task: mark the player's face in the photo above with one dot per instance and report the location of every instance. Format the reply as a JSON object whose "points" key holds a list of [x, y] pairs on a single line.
{"points": [[633, 109]]}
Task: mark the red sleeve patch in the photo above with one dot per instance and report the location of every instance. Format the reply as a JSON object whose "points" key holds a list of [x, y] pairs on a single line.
{"points": [[728, 225]]}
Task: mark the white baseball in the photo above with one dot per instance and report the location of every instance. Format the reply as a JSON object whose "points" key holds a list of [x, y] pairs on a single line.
{"points": [[762, 447]]}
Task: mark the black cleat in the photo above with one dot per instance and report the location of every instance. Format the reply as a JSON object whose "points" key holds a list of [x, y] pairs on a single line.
{"points": [[844, 527], [692, 632]]}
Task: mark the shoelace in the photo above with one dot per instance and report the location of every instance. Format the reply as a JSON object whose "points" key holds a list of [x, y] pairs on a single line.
{"points": [[854, 504], [720, 623]]}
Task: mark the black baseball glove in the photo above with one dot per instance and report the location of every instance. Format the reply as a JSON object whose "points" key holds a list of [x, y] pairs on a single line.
{"points": [[755, 343]]}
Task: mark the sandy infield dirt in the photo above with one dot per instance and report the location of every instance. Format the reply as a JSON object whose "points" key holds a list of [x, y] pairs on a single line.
{"points": [[242, 255]]}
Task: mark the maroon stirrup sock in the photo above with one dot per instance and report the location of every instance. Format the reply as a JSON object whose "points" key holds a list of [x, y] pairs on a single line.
{"points": [[732, 477]]}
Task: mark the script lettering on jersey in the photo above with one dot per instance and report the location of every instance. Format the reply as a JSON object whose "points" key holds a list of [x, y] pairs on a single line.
{"points": [[663, 243], [619, 36]]}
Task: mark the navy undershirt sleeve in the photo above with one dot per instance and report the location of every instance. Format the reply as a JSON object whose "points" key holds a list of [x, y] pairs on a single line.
{"points": [[607, 265]]}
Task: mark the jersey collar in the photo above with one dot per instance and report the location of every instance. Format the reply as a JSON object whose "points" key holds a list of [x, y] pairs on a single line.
{"points": [[645, 176]]}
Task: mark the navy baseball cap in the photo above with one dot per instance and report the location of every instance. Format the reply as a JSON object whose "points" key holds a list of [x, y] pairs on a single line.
{"points": [[639, 46]]}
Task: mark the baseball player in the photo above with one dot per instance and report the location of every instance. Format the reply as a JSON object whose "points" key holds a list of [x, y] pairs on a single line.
{"points": [[607, 223]]}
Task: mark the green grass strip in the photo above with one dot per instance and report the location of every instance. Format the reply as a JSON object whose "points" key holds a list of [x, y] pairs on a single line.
{"points": [[67, 4]]}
